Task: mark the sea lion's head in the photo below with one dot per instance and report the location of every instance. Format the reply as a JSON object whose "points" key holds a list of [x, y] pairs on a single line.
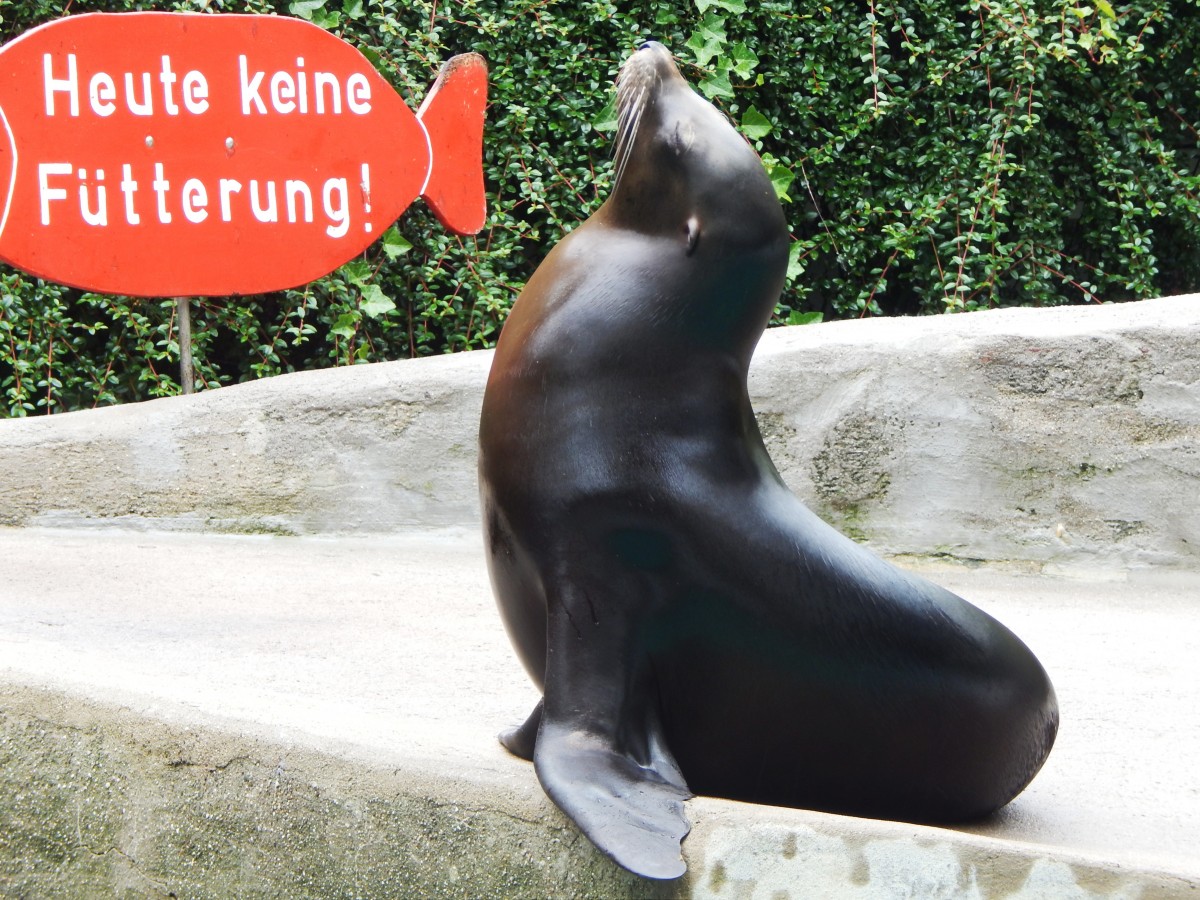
{"points": [[681, 167]]}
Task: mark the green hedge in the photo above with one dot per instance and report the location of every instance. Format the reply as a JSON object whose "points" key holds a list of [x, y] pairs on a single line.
{"points": [[932, 156]]}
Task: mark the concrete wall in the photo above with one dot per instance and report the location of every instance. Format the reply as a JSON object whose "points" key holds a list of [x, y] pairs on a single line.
{"points": [[1055, 438], [101, 802]]}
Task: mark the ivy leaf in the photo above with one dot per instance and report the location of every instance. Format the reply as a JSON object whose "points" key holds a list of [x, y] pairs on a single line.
{"points": [[744, 60], [796, 266], [345, 325], [708, 40], [328, 19], [375, 302], [805, 318], [357, 271], [717, 85], [352, 8], [305, 8], [755, 125], [374, 57], [606, 119], [781, 177], [737, 7], [394, 243]]}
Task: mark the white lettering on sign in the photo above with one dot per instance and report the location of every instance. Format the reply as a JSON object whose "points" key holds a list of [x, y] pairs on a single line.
{"points": [[138, 96], [335, 200], [288, 92], [250, 88], [129, 188], [268, 213], [146, 193], [99, 216], [298, 189], [69, 85], [262, 198], [167, 77], [101, 93], [145, 106], [284, 92], [195, 200], [229, 187], [161, 186], [47, 193], [195, 92]]}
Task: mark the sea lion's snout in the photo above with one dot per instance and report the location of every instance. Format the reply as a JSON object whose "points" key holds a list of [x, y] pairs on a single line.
{"points": [[650, 60]]}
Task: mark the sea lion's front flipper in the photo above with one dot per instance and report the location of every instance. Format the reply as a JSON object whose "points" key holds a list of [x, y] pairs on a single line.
{"points": [[600, 754], [627, 810]]}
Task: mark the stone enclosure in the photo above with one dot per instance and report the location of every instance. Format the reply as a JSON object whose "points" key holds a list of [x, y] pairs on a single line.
{"points": [[191, 707], [1059, 439]]}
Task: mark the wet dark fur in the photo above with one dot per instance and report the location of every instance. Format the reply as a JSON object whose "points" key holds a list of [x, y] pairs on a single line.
{"points": [[692, 625]]}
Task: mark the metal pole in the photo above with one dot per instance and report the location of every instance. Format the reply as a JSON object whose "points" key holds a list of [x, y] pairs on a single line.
{"points": [[187, 372]]}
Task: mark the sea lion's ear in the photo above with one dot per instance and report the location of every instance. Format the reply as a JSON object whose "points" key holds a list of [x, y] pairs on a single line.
{"points": [[693, 234]]}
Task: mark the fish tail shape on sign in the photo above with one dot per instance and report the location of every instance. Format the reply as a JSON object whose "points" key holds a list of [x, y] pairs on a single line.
{"points": [[451, 118], [161, 154]]}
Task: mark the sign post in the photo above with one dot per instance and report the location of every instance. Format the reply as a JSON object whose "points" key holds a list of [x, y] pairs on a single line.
{"points": [[187, 371]]}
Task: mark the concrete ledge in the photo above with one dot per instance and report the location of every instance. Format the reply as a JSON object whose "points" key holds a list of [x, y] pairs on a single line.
{"points": [[1068, 438], [107, 803], [219, 716], [1063, 438], [378, 448], [191, 714]]}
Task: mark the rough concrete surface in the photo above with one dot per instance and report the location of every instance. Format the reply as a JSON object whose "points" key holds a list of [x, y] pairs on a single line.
{"points": [[233, 716], [260, 714], [1065, 439], [375, 448]]}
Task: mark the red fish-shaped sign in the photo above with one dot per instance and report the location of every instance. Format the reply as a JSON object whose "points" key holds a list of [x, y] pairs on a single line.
{"points": [[163, 154]]}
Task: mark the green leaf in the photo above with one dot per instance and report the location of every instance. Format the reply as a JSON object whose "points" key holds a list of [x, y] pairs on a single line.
{"points": [[708, 40], [357, 271], [353, 8], [329, 19], [744, 60], [738, 7], [805, 318], [394, 243], [755, 125], [375, 58], [606, 119], [1106, 9], [375, 302], [796, 266], [781, 177], [305, 8], [346, 325], [717, 85]]}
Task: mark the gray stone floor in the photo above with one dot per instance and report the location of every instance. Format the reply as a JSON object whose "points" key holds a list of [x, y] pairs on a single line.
{"points": [[390, 649]]}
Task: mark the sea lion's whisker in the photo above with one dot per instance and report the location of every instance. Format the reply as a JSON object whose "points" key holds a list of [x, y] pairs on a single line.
{"points": [[629, 118]]}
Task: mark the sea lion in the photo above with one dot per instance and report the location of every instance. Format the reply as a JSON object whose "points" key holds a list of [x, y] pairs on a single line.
{"points": [[692, 625]]}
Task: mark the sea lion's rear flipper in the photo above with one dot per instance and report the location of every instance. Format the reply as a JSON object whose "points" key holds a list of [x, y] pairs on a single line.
{"points": [[520, 740], [600, 753]]}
